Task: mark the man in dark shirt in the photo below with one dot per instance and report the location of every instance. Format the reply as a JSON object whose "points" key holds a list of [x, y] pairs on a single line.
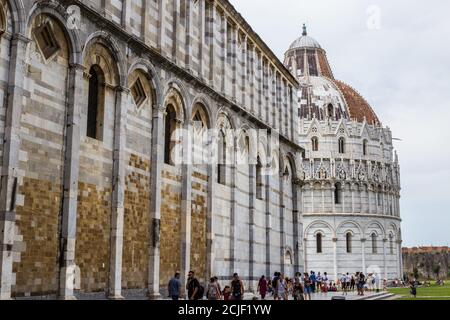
{"points": [[175, 287], [192, 286]]}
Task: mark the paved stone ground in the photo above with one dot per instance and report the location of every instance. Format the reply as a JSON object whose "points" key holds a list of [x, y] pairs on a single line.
{"points": [[140, 295]]}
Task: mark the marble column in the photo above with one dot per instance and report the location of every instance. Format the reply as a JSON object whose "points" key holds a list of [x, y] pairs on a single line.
{"points": [[10, 167], [335, 267], [71, 174], [118, 194], [157, 162]]}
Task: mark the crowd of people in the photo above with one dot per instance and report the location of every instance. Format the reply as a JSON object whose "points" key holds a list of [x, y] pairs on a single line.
{"points": [[278, 287]]}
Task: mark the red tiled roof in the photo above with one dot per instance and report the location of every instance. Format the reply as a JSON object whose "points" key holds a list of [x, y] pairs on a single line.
{"points": [[358, 107]]}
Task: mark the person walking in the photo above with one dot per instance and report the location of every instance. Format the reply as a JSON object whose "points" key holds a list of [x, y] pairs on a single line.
{"points": [[275, 286], [307, 285], [313, 279], [319, 283], [344, 284], [413, 288], [377, 282], [237, 288], [213, 292], [282, 288], [262, 287], [195, 291], [352, 283], [174, 287], [297, 290]]}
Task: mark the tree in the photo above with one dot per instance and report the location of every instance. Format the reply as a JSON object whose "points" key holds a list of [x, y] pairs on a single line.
{"points": [[437, 270], [416, 273]]}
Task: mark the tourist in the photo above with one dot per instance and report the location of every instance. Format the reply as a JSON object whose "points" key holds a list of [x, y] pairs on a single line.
{"points": [[282, 287], [325, 282], [319, 282], [313, 279], [297, 290], [174, 287], [237, 288], [307, 286], [344, 284], [262, 287], [413, 288], [348, 282], [218, 284], [275, 285], [352, 283], [269, 287], [213, 292], [226, 293], [377, 282], [362, 283], [193, 287]]}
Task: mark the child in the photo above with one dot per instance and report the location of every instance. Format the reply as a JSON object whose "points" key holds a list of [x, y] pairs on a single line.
{"points": [[226, 293]]}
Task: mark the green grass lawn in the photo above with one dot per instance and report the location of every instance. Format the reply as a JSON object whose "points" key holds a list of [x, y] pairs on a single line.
{"points": [[425, 293]]}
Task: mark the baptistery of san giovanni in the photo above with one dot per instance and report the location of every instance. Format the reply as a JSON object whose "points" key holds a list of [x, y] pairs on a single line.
{"points": [[141, 138], [350, 173]]}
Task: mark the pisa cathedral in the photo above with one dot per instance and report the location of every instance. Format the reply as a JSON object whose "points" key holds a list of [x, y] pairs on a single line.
{"points": [[104, 105]]}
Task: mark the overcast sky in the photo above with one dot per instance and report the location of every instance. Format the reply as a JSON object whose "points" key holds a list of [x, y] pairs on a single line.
{"points": [[397, 55]]}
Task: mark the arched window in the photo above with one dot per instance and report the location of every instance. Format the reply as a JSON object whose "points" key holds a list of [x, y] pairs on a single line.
{"points": [[337, 193], [374, 243], [341, 145], [221, 167], [170, 127], [288, 258], [259, 182], [382, 149], [330, 110], [365, 147], [348, 240], [319, 243], [95, 103], [391, 243], [315, 144]]}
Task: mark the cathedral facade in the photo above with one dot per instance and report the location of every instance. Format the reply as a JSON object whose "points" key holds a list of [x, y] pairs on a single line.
{"points": [[141, 138], [350, 194]]}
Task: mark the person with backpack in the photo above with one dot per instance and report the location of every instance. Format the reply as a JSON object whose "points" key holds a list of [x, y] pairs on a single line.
{"points": [[262, 287], [193, 287], [213, 292], [237, 288]]}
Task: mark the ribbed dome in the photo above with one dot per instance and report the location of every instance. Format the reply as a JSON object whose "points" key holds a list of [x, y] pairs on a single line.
{"points": [[358, 107], [305, 41]]}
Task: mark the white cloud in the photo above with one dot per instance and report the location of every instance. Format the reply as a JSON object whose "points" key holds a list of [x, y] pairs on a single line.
{"points": [[402, 69]]}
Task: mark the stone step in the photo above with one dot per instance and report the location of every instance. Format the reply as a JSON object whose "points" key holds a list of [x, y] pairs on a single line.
{"points": [[380, 296]]}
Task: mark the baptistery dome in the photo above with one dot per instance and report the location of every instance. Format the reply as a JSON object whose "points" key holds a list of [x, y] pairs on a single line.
{"points": [[321, 96]]}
